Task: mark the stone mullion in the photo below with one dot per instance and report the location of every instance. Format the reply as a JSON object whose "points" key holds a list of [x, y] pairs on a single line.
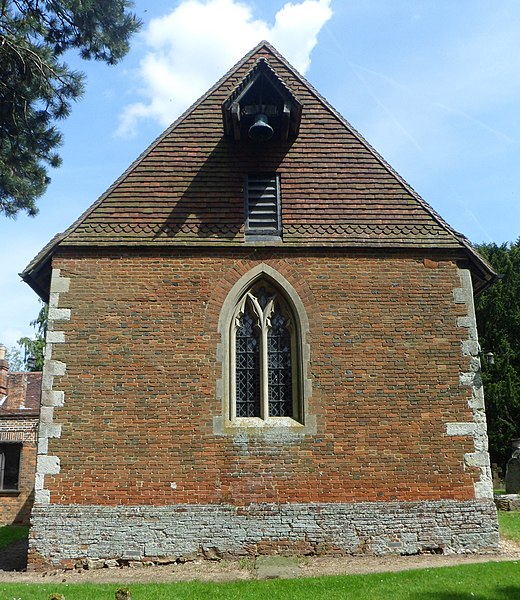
{"points": [[264, 373]]}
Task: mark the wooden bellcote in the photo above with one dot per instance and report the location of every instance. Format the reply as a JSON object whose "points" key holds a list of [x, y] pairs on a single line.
{"points": [[261, 108]]}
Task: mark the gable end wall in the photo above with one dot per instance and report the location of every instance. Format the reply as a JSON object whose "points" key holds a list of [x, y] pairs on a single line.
{"points": [[395, 461]]}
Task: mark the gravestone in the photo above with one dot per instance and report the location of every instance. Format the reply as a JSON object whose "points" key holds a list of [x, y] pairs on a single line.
{"points": [[513, 469]]}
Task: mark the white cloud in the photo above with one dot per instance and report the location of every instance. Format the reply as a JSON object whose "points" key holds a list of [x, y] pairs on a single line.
{"points": [[196, 43], [296, 29]]}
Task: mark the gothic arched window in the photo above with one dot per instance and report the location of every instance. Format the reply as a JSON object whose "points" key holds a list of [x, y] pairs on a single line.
{"points": [[264, 351]]}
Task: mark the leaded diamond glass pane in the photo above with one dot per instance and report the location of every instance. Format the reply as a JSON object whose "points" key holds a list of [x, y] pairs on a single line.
{"points": [[263, 297], [247, 367], [279, 366]]}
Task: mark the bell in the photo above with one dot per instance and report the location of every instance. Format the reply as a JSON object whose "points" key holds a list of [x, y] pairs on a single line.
{"points": [[260, 130]]}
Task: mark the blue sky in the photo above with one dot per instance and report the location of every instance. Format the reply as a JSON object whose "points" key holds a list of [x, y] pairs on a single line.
{"points": [[433, 86]]}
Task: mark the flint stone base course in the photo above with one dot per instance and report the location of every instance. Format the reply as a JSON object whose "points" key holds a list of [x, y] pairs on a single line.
{"points": [[63, 533]]}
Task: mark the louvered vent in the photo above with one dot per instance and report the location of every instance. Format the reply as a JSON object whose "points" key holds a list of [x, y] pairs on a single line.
{"points": [[263, 205]]}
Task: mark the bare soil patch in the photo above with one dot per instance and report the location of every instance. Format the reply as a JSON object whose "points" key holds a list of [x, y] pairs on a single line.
{"points": [[246, 568]]}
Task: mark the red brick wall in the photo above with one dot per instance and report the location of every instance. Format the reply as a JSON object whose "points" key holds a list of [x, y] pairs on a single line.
{"points": [[141, 370]]}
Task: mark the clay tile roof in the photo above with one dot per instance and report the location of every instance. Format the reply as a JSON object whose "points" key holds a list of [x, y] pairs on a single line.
{"points": [[186, 189], [23, 395]]}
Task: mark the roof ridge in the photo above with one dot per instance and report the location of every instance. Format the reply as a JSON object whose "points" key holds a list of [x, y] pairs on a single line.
{"points": [[272, 72]]}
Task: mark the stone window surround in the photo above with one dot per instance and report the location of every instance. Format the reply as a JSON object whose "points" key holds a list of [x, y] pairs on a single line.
{"points": [[227, 424]]}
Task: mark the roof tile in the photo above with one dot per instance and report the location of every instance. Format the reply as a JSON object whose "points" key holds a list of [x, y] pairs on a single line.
{"points": [[187, 187]]}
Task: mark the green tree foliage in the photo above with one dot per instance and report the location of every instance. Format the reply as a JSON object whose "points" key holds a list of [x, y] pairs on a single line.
{"points": [[14, 358], [34, 348], [498, 318], [37, 89]]}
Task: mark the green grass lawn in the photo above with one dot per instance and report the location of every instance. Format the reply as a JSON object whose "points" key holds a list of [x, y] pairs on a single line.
{"points": [[488, 581], [509, 525], [12, 533]]}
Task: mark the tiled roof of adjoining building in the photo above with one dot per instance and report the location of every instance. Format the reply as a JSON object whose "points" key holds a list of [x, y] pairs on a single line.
{"points": [[23, 395]]}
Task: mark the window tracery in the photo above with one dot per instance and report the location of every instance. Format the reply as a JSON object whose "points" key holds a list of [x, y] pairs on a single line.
{"points": [[264, 382]]}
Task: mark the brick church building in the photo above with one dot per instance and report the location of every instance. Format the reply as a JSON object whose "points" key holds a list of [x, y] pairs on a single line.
{"points": [[260, 340]]}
